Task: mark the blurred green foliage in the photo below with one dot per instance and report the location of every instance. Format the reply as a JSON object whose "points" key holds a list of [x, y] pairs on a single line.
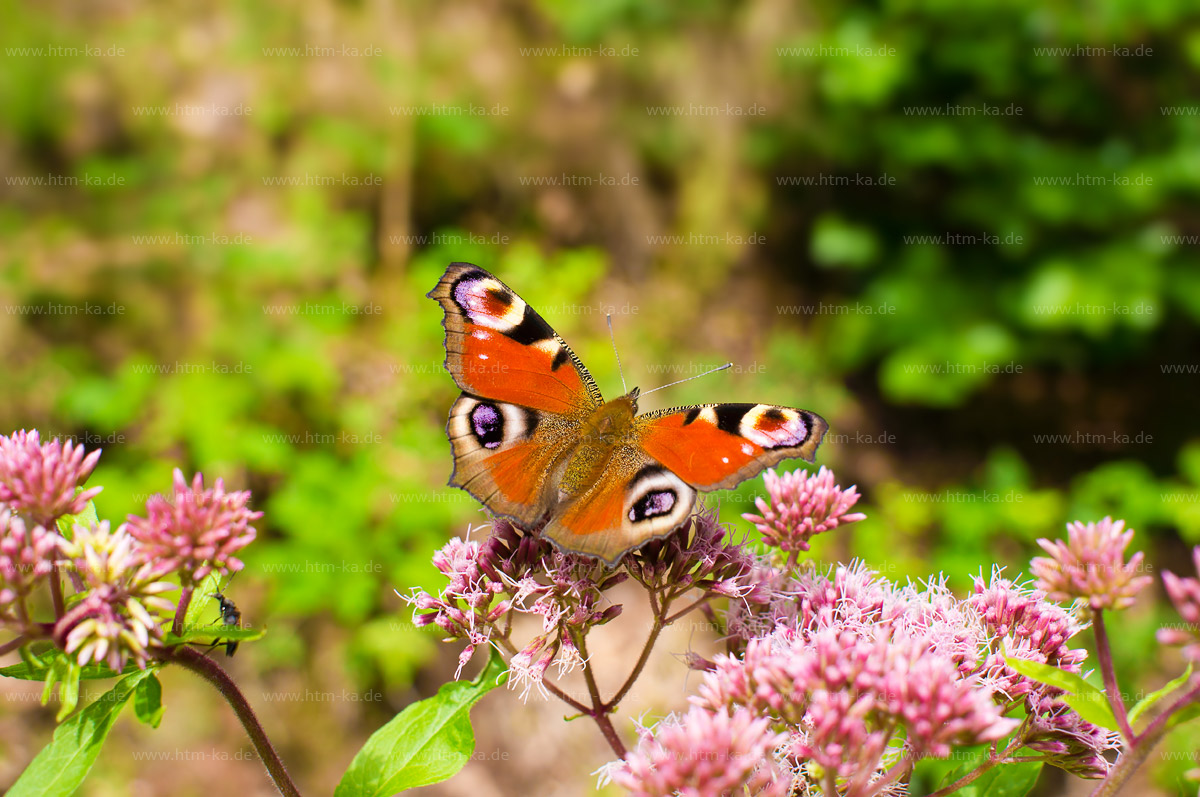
{"points": [[277, 335]]}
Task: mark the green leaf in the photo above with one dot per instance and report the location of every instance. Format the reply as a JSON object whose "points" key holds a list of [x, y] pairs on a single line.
{"points": [[216, 632], [1088, 701], [87, 517], [36, 668], [147, 701], [201, 598], [1005, 780], [1150, 700], [61, 766], [1185, 714], [427, 742], [64, 673]]}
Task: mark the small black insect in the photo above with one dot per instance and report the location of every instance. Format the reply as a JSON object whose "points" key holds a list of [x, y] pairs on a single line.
{"points": [[230, 615]]}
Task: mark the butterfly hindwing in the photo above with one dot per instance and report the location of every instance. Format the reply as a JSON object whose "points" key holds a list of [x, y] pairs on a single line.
{"points": [[498, 347], [717, 446], [635, 500]]}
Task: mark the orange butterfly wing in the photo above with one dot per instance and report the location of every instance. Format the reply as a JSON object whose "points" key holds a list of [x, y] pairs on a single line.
{"points": [[526, 395], [634, 500], [717, 446], [498, 347]]}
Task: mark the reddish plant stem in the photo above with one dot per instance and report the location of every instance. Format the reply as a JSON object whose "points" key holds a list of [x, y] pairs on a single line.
{"points": [[13, 644], [56, 594], [1135, 754], [209, 670], [895, 773], [651, 639], [1104, 653], [693, 605], [599, 710], [185, 599]]}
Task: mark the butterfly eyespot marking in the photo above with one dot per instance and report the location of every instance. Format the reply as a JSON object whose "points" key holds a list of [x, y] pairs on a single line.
{"points": [[653, 504], [479, 424], [658, 496], [488, 303], [775, 427], [488, 425]]}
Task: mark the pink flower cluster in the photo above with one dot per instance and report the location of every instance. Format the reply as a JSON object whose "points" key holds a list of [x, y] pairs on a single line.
{"points": [[27, 555], [39, 480], [1184, 592], [1091, 565], [866, 676], [801, 506], [706, 754], [196, 531], [119, 609], [844, 696], [512, 573], [121, 613]]}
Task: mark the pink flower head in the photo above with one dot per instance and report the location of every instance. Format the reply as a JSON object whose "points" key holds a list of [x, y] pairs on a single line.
{"points": [[1091, 565], [800, 507], [705, 754], [121, 616], [1071, 743], [26, 556], [39, 479], [845, 694], [197, 531], [1025, 626], [1185, 594]]}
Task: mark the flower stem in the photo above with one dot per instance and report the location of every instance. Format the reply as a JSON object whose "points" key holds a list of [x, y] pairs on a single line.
{"points": [[56, 594], [1135, 754], [13, 644], [693, 605], [897, 771], [599, 710], [655, 630], [1115, 699], [185, 598], [209, 670]]}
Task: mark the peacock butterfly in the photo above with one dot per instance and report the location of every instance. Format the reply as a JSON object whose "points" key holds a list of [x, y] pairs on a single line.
{"points": [[534, 441]]}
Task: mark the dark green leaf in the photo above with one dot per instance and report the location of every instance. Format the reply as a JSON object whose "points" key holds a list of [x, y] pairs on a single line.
{"points": [[427, 742], [1005, 780], [147, 701], [202, 596], [35, 668], [63, 673], [61, 766], [87, 517], [1088, 701], [213, 633]]}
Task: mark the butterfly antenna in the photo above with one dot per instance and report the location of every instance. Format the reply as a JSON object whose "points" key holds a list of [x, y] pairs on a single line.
{"points": [[689, 379], [613, 338]]}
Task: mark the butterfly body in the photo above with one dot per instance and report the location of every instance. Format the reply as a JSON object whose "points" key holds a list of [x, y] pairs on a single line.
{"points": [[534, 440], [606, 434]]}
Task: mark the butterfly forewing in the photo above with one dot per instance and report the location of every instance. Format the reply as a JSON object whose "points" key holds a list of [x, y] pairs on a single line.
{"points": [[498, 347], [717, 446]]}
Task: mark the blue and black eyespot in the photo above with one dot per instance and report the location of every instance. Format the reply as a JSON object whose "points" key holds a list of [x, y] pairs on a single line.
{"points": [[653, 504], [487, 424]]}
